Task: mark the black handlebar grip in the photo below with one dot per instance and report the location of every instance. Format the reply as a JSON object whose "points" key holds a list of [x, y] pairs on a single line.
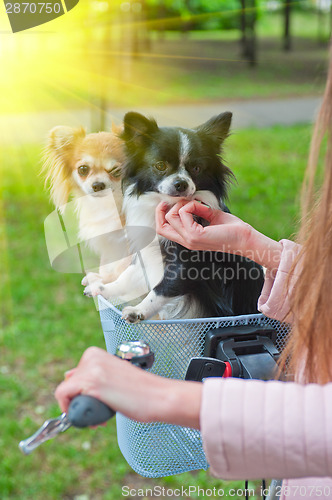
{"points": [[85, 410]]}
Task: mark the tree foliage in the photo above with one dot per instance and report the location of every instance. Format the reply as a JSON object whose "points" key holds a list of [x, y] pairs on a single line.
{"points": [[199, 14]]}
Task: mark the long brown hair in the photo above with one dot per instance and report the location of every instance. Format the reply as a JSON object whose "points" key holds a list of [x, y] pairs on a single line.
{"points": [[310, 346]]}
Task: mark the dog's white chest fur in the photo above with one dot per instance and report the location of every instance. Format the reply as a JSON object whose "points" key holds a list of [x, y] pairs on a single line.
{"points": [[98, 216]]}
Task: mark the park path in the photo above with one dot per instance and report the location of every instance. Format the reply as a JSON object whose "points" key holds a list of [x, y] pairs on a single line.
{"points": [[33, 127]]}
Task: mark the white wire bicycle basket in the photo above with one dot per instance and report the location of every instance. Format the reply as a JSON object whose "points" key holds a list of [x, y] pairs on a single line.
{"points": [[158, 449]]}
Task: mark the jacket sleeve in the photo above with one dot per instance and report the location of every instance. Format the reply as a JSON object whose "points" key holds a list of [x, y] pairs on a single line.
{"points": [[274, 298], [253, 429]]}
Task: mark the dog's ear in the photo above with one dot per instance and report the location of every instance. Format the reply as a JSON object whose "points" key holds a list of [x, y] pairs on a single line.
{"points": [[137, 128], [116, 129], [218, 126], [61, 139], [57, 157]]}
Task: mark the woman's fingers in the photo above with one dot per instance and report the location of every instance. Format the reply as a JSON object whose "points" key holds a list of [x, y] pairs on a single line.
{"points": [[177, 223], [174, 219], [214, 216], [198, 208], [61, 392], [161, 212], [163, 227], [69, 373], [160, 215], [65, 392], [189, 225]]}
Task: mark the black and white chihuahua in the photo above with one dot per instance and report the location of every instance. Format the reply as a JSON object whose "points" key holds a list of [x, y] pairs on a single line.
{"points": [[169, 164]]}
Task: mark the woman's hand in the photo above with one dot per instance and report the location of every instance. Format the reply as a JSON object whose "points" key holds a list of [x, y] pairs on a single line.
{"points": [[225, 232], [130, 390]]}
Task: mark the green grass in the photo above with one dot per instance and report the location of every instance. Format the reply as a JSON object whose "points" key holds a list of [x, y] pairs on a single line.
{"points": [[305, 24], [269, 166], [46, 323]]}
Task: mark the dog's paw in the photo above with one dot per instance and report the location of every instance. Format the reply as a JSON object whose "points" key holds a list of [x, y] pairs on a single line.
{"points": [[85, 281], [94, 289], [132, 314], [90, 278]]}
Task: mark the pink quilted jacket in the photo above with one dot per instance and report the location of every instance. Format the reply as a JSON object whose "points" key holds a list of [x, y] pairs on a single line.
{"points": [[255, 429]]}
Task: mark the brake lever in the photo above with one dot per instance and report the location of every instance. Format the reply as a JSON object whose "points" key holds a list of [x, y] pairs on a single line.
{"points": [[86, 410]]}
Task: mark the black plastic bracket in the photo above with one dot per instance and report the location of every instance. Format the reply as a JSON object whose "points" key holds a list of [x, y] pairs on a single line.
{"points": [[250, 350], [200, 368]]}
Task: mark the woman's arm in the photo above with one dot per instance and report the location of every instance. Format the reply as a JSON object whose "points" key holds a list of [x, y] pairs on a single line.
{"points": [[131, 391], [228, 233], [254, 429], [225, 232], [250, 429]]}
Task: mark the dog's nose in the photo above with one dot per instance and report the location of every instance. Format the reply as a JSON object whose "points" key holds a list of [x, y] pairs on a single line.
{"points": [[98, 186], [181, 185]]}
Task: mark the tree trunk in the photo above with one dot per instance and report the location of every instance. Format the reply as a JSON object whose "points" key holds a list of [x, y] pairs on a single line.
{"points": [[243, 28], [248, 25], [287, 35], [146, 40], [162, 18]]}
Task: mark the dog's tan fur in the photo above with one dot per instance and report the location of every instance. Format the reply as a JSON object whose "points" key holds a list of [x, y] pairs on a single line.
{"points": [[103, 152], [63, 151]]}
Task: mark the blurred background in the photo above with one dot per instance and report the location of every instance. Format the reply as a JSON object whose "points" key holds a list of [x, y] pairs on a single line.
{"points": [[180, 61]]}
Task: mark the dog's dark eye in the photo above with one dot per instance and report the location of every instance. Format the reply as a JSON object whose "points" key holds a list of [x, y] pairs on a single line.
{"points": [[161, 166], [115, 171], [83, 170], [195, 169]]}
